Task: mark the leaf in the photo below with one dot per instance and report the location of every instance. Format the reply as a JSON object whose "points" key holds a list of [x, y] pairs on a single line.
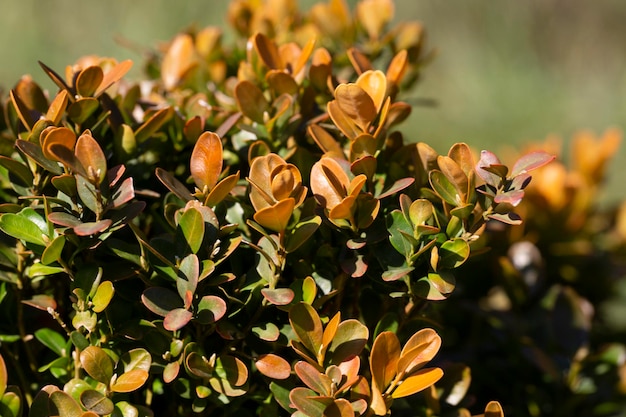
{"points": [[12, 402], [92, 228], [52, 340], [339, 408], [191, 225], [3, 376], [233, 375], [171, 372], [325, 140], [206, 161], [530, 162], [221, 190], [137, 358], [417, 382], [278, 296], [512, 197], [23, 112], [251, 101], [82, 109], [308, 402], [268, 52], [384, 360], [211, 308], [34, 151], [66, 406], [42, 302], [444, 188], [420, 349], [153, 124], [343, 121], [307, 325], [172, 184], [103, 296], [349, 341], [453, 253], [356, 104], [178, 60], [359, 61], [113, 75], [53, 251], [88, 81], [160, 300], [276, 217], [57, 107], [130, 381], [177, 319], [273, 366], [493, 409], [313, 378], [97, 364], [487, 159], [374, 83], [96, 402], [199, 365], [91, 157], [508, 218], [17, 171], [267, 331], [19, 227]]}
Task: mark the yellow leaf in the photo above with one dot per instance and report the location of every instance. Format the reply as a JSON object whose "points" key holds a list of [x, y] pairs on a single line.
{"points": [[130, 381], [374, 83], [417, 382], [276, 217]]}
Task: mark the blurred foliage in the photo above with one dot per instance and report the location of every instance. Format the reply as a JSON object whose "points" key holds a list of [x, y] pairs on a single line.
{"points": [[212, 238]]}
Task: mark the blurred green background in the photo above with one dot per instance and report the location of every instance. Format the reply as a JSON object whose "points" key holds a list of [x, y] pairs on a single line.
{"points": [[506, 71]]}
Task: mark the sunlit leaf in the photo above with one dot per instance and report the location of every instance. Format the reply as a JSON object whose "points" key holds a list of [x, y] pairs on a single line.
{"points": [[103, 296], [22, 228], [307, 325], [349, 340], [359, 61], [97, 364], [88, 81], [191, 225], [357, 105], [308, 402], [206, 160], [273, 366], [177, 319], [113, 75], [211, 308], [268, 52], [530, 162], [276, 217], [153, 124], [494, 409], [313, 378], [178, 60], [444, 188], [417, 382], [130, 381]]}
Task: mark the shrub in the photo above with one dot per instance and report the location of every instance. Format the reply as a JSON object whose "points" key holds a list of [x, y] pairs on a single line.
{"points": [[245, 232]]}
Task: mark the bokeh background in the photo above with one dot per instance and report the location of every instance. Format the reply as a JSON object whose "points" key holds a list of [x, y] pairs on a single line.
{"points": [[506, 71]]}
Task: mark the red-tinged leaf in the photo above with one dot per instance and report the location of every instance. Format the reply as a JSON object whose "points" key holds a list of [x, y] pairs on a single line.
{"points": [[91, 157], [418, 382], [206, 160], [486, 159], [493, 409], [88, 81], [4, 377], [177, 319], [160, 300], [130, 381], [308, 402], [276, 217], [251, 101], [313, 378], [507, 218], [396, 273], [153, 124], [530, 162], [396, 187], [64, 219], [57, 107], [513, 197], [124, 193], [307, 325], [97, 364], [92, 228], [210, 309], [273, 366], [113, 75], [278, 296]]}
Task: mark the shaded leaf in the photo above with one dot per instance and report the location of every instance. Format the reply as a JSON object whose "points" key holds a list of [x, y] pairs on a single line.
{"points": [[313, 378], [453, 253], [153, 124], [307, 325], [52, 253], [173, 184], [50, 339], [350, 339], [160, 300], [96, 402], [66, 406], [82, 109], [444, 188], [494, 409], [191, 225], [97, 364], [34, 151], [177, 319], [210, 309], [251, 101], [308, 402]]}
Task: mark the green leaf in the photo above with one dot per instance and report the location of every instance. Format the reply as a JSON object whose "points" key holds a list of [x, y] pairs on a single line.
{"points": [[65, 404], [350, 339], [307, 325], [97, 364], [53, 252], [187, 281], [137, 358], [453, 253], [18, 171], [82, 109], [20, 227], [308, 402], [96, 402], [153, 124], [160, 300], [52, 340], [399, 228], [444, 188], [301, 232], [103, 296], [210, 309], [191, 225]]}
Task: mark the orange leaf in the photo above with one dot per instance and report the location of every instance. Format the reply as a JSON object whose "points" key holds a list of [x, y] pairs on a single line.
{"points": [[357, 104], [384, 359], [114, 75], [206, 160], [359, 61], [130, 381], [251, 101], [374, 83], [57, 107], [342, 120], [417, 382], [178, 60], [59, 136], [91, 157], [276, 217], [268, 51], [329, 182], [420, 349], [325, 141], [397, 67], [273, 366], [494, 409], [88, 81]]}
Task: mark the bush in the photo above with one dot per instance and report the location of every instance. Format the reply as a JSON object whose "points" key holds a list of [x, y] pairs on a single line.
{"points": [[244, 232]]}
